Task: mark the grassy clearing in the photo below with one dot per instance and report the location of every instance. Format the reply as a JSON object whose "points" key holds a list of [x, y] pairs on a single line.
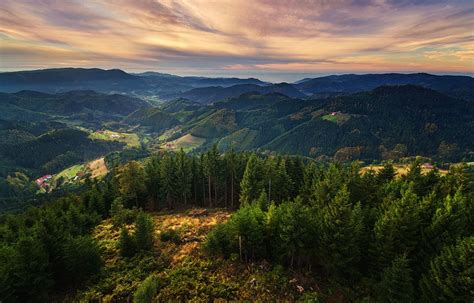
{"points": [[187, 143], [97, 168], [131, 139], [401, 169], [186, 273], [338, 118], [70, 172]]}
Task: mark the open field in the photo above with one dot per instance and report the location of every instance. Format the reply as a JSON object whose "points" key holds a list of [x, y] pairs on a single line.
{"points": [[338, 118], [70, 172], [187, 143], [97, 168], [401, 169], [131, 139]]}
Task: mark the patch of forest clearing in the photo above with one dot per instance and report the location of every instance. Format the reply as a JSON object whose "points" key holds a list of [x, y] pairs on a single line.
{"points": [[187, 143], [131, 139], [404, 169], [186, 271]]}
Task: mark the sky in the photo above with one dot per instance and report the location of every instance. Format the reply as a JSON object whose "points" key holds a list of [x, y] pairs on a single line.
{"points": [[272, 40]]}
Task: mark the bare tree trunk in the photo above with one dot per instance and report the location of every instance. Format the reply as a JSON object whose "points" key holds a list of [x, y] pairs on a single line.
{"points": [[195, 191], [232, 191], [240, 248], [215, 191], [203, 192], [210, 198], [225, 200]]}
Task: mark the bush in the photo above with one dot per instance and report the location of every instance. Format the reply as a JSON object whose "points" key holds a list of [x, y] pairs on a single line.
{"points": [[126, 244], [147, 290], [144, 230], [170, 235], [219, 241]]}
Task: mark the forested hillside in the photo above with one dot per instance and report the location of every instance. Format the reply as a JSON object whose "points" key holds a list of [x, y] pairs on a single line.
{"points": [[301, 231], [387, 123]]}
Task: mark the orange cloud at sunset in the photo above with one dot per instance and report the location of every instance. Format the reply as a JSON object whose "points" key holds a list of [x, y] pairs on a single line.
{"points": [[225, 37]]}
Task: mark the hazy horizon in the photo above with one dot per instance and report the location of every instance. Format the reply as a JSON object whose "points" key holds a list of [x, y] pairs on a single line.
{"points": [[267, 77]]}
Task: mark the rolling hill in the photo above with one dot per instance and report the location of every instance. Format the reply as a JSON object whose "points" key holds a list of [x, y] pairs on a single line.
{"points": [[389, 121], [456, 86]]}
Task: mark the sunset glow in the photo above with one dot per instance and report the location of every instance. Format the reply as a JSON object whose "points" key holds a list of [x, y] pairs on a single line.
{"points": [[239, 37]]}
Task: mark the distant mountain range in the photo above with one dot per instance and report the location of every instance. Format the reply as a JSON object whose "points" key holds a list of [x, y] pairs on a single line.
{"points": [[164, 87]]}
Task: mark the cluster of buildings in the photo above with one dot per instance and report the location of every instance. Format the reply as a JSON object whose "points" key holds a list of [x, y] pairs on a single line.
{"points": [[44, 181]]}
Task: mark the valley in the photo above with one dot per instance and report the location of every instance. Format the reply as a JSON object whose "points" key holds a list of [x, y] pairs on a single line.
{"points": [[339, 189]]}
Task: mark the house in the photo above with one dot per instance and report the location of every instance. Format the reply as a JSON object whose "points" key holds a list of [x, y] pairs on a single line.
{"points": [[43, 181], [427, 166]]}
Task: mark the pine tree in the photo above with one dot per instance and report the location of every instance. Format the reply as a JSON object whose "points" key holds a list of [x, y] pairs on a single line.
{"points": [[184, 177], [144, 232], [397, 230], [295, 170], [96, 202], [282, 185], [211, 169], [230, 158], [386, 174], [31, 278], [196, 179], [262, 201], [248, 224], [252, 184], [340, 230], [132, 183], [450, 277], [309, 177], [152, 171], [126, 244], [397, 284], [81, 258], [117, 212], [169, 180]]}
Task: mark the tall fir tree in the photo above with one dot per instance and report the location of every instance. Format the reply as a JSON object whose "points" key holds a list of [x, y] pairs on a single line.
{"points": [[168, 180], [126, 244], [396, 285], [450, 277], [153, 176], [144, 232], [132, 184], [183, 176], [340, 233], [252, 183]]}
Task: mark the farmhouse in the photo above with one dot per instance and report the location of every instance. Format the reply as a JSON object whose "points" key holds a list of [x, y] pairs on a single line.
{"points": [[44, 181], [427, 166]]}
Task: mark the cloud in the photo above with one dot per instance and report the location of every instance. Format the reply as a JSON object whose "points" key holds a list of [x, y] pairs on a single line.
{"points": [[226, 35]]}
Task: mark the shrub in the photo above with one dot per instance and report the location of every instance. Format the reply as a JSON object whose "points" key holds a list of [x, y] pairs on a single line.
{"points": [[170, 235], [219, 241], [144, 230], [126, 244], [147, 290]]}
